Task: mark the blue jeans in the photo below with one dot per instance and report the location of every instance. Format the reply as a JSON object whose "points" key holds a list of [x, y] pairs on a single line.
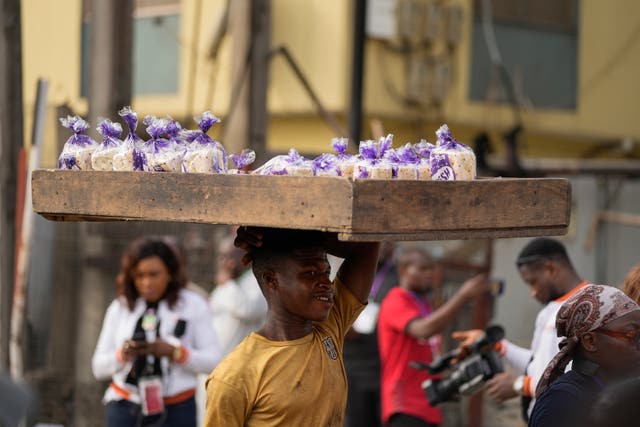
{"points": [[122, 413]]}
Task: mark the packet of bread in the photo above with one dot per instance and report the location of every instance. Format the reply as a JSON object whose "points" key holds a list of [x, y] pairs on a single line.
{"points": [[450, 159], [77, 151], [204, 154], [102, 157], [242, 160], [130, 156], [162, 154]]}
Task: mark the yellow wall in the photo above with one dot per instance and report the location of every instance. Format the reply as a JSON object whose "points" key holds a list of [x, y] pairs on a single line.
{"points": [[608, 86], [318, 34]]}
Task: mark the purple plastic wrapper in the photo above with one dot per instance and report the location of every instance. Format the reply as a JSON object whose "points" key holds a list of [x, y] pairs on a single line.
{"points": [[290, 164], [340, 145], [423, 148], [441, 169], [404, 162], [77, 151], [131, 155], [111, 132], [204, 155], [393, 158], [242, 160], [162, 154], [451, 160], [173, 129], [346, 162], [102, 157], [326, 165], [373, 163]]}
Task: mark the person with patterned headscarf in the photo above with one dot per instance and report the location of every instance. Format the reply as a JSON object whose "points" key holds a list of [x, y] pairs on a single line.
{"points": [[601, 330]]}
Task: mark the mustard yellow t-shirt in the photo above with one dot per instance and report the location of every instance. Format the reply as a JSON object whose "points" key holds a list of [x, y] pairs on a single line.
{"points": [[285, 383]]}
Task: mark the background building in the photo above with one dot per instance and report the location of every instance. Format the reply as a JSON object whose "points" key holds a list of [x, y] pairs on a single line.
{"points": [[542, 87]]}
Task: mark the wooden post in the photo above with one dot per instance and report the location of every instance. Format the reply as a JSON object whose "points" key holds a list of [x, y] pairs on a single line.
{"points": [[11, 139], [23, 252], [110, 42], [109, 78]]}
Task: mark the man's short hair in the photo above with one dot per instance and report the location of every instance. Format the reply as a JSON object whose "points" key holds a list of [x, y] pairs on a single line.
{"points": [[405, 256], [542, 249], [278, 244]]}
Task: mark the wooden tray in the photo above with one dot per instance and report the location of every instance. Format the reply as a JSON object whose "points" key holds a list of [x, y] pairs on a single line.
{"points": [[362, 210]]}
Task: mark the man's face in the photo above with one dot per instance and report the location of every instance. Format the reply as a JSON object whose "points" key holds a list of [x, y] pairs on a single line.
{"points": [[540, 278], [621, 355], [304, 288], [417, 272]]}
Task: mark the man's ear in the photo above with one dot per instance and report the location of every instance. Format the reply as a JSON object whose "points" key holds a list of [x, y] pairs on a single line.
{"points": [[589, 342], [550, 267], [270, 279]]}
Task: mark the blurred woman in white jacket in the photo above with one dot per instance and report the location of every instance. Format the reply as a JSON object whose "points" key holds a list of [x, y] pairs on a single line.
{"points": [[156, 337]]}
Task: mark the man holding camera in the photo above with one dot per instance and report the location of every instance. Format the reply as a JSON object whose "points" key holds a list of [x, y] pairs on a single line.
{"points": [[546, 268], [407, 332]]}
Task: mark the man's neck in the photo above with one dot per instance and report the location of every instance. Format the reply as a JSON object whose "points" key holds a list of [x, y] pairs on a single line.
{"points": [[570, 283], [278, 329]]}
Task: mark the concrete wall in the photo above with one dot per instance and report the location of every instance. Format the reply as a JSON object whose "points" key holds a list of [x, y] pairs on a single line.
{"points": [[614, 253]]}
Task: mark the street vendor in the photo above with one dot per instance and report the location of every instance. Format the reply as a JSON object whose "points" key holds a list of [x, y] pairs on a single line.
{"points": [[291, 372]]}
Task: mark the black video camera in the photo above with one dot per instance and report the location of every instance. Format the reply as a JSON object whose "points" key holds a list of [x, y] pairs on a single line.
{"points": [[468, 375]]}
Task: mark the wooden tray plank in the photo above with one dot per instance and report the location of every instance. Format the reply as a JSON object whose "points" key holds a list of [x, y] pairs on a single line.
{"points": [[357, 210], [461, 205], [214, 199]]}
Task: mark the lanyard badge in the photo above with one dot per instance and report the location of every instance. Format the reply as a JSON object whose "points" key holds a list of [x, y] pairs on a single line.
{"points": [[151, 395], [149, 320]]}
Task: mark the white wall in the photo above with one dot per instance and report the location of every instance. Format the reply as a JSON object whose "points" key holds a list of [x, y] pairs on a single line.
{"points": [[615, 250]]}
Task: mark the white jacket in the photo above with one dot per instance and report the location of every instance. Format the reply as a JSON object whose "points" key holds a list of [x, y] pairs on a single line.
{"points": [[238, 308], [199, 340]]}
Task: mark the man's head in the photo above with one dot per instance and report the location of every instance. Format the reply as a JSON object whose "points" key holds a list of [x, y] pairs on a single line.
{"points": [[292, 269], [545, 266], [229, 259], [602, 325], [417, 270]]}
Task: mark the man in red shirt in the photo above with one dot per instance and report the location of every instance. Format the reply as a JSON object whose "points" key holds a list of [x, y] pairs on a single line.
{"points": [[407, 332]]}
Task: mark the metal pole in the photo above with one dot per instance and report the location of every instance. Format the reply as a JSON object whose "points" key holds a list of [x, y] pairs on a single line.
{"points": [[357, 69], [11, 139]]}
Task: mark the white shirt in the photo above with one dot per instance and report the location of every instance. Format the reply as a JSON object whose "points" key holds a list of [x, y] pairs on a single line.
{"points": [[199, 340], [238, 308], [544, 346]]}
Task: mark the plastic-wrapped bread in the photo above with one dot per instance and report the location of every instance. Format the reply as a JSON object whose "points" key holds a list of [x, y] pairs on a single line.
{"points": [[372, 163], [290, 164], [102, 157], [326, 165], [242, 160], [408, 161], [423, 151], [346, 162], [77, 151], [174, 132], [204, 155], [129, 156], [162, 154], [450, 159]]}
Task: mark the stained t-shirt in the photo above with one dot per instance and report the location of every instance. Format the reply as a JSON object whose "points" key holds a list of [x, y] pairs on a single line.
{"points": [[285, 383]]}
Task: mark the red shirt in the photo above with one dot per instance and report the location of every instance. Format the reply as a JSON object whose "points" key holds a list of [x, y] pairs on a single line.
{"points": [[401, 390]]}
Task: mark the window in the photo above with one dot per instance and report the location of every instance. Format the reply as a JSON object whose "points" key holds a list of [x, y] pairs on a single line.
{"points": [[538, 43], [155, 47]]}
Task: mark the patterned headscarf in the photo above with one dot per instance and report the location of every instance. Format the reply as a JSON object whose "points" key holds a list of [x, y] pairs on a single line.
{"points": [[588, 309]]}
